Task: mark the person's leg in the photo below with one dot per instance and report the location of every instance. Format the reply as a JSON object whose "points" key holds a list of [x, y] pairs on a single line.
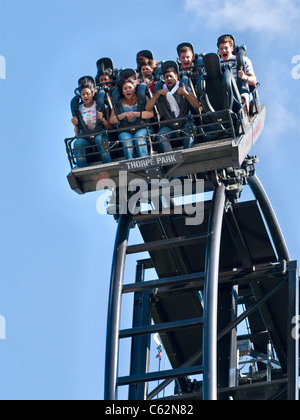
{"points": [[105, 155], [140, 139], [80, 146], [164, 137], [246, 99], [189, 140], [127, 142]]}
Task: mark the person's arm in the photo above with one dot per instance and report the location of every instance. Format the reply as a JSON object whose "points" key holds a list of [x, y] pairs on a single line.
{"points": [[249, 78], [106, 121], [190, 97], [114, 119], [145, 115], [74, 121], [152, 101]]}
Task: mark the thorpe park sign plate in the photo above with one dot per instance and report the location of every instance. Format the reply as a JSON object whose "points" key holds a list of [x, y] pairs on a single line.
{"points": [[141, 164]]}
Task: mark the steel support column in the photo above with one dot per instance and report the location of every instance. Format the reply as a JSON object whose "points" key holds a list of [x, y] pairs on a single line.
{"points": [[140, 345], [211, 295], [114, 308], [293, 333], [271, 219]]}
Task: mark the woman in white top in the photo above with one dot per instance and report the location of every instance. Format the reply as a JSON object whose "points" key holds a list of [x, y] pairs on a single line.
{"points": [[93, 121]]}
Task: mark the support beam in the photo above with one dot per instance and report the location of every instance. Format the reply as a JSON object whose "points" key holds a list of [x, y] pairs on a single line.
{"points": [[293, 333], [157, 376], [114, 308], [140, 345], [271, 219], [211, 295], [197, 356], [161, 328]]}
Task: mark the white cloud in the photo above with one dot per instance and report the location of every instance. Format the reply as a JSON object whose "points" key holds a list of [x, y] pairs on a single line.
{"points": [[266, 16], [281, 105]]}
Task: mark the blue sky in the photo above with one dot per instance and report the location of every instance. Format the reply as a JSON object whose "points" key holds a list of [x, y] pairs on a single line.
{"points": [[55, 249]]}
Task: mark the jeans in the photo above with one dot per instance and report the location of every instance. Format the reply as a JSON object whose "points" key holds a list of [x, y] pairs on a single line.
{"points": [[139, 140], [80, 146], [165, 135]]}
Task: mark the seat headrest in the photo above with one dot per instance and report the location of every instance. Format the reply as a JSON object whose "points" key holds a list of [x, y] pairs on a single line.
{"points": [[86, 79], [170, 64], [105, 63], [127, 73], [145, 53]]}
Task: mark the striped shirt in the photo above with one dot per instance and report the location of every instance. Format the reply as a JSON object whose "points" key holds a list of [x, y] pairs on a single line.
{"points": [[247, 70]]}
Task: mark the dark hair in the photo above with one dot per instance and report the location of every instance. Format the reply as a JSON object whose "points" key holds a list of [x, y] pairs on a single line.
{"points": [[144, 61], [122, 82], [169, 70]]}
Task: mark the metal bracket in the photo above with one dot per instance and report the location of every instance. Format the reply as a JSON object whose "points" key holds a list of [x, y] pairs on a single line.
{"points": [[153, 173], [234, 178]]}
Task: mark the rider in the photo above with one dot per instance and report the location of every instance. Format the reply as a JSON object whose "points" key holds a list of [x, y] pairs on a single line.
{"points": [[226, 49], [186, 56], [129, 118], [173, 100], [146, 68], [92, 119]]}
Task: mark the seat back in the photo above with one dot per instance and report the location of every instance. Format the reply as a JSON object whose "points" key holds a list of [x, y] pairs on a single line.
{"points": [[217, 88], [214, 81]]}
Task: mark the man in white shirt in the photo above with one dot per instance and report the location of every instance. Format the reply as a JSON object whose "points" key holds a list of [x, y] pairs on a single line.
{"points": [[173, 102], [226, 48], [186, 55]]}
